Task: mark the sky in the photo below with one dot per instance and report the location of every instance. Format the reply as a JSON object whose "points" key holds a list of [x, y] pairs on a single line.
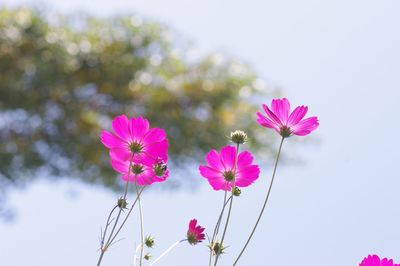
{"points": [[342, 59]]}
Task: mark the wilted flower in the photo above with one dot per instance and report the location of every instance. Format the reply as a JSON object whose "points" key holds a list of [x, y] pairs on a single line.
{"points": [[284, 123], [134, 138], [195, 233], [374, 260], [220, 169]]}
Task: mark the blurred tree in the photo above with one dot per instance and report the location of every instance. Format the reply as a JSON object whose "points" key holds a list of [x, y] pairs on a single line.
{"points": [[62, 80]]}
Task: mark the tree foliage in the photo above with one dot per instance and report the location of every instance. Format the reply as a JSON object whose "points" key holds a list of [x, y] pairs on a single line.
{"points": [[63, 79]]}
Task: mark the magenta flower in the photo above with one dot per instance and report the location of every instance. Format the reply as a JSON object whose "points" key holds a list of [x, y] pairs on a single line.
{"points": [[195, 233], [144, 171], [374, 260], [134, 138], [220, 169], [284, 122]]}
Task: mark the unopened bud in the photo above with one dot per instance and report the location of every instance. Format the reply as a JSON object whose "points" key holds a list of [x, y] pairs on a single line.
{"points": [[238, 137], [216, 248], [160, 168], [236, 191], [122, 203], [147, 256], [149, 241]]}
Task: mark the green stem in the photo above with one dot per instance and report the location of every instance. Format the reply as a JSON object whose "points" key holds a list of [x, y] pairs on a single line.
{"points": [[265, 203], [127, 216], [141, 226], [216, 228], [230, 204], [104, 247]]}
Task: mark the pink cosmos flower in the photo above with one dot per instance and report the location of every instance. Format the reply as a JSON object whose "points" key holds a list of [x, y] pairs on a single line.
{"points": [[374, 260], [284, 122], [144, 171], [195, 233], [134, 138], [220, 169]]}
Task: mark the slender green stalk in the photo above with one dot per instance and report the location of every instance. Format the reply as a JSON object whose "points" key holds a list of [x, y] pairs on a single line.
{"points": [[127, 216], [265, 203], [230, 204], [103, 248], [167, 251], [216, 228], [141, 226]]}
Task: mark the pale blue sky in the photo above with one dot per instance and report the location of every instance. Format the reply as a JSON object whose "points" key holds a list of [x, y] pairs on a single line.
{"points": [[342, 59]]}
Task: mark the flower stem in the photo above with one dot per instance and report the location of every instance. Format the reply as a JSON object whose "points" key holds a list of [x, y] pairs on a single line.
{"points": [[127, 216], [265, 203], [103, 247], [216, 228], [141, 226], [167, 251], [230, 204]]}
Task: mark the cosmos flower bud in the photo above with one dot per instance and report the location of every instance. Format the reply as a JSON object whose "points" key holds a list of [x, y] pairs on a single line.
{"points": [[237, 192], [216, 248], [238, 137], [149, 241], [160, 168], [147, 256], [122, 203]]}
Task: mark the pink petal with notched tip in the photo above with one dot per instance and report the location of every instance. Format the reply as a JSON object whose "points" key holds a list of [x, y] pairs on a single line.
{"points": [[214, 161], [110, 140], [121, 153], [266, 122], [120, 166], [120, 125], [305, 126], [271, 115], [157, 150], [281, 108], [247, 175], [209, 172], [244, 159], [154, 135], [296, 116], [138, 127], [228, 157]]}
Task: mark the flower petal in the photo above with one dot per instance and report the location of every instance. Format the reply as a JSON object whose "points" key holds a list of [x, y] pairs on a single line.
{"points": [[111, 141], [247, 175], [209, 172], [138, 128], [154, 135], [120, 166], [157, 150], [305, 126], [245, 158], [214, 161], [296, 116], [228, 156], [121, 154], [281, 108], [266, 122], [121, 128], [271, 115]]}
